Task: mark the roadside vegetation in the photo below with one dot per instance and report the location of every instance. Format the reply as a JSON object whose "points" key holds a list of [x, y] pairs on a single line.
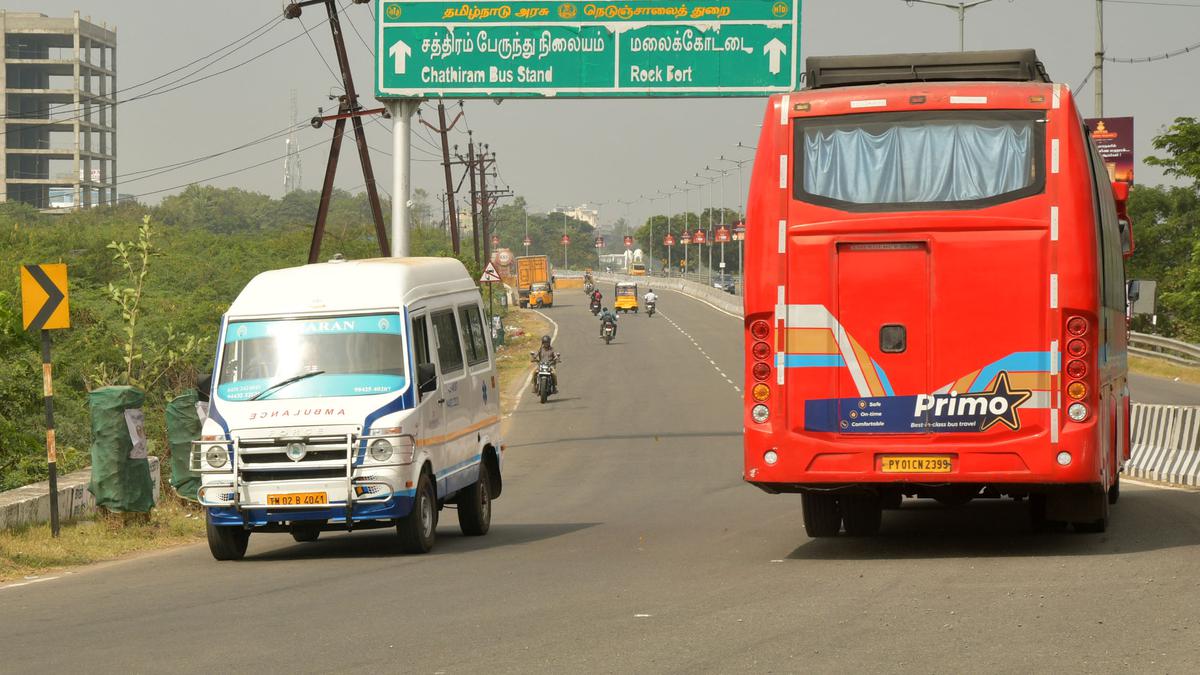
{"points": [[1159, 368], [148, 286], [31, 551]]}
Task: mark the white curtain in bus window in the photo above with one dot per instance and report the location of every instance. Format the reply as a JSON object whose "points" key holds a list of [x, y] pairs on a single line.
{"points": [[918, 162]]}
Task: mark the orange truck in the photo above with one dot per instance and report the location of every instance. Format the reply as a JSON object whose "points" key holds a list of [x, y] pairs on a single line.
{"points": [[534, 270]]}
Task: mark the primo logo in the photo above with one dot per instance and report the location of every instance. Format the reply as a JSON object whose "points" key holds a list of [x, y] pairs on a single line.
{"points": [[998, 404]]}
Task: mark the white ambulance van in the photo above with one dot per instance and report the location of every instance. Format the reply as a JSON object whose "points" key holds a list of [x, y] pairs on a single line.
{"points": [[350, 395]]}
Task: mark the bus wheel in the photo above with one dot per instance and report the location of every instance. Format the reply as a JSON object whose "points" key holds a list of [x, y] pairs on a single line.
{"points": [[822, 518], [1114, 492], [417, 529], [862, 514], [227, 542], [475, 505]]}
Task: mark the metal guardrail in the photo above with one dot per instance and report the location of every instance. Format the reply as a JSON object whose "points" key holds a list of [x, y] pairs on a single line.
{"points": [[1165, 348]]}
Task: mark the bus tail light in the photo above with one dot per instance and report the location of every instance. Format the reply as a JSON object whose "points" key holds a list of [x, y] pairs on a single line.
{"points": [[760, 413], [760, 329], [1077, 384], [1077, 347], [1076, 369], [761, 392], [761, 351], [761, 371]]}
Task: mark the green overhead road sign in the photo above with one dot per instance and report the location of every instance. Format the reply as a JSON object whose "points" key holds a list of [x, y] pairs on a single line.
{"points": [[637, 48]]}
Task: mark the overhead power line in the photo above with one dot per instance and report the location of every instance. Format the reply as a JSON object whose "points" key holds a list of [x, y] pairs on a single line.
{"points": [[1155, 57], [180, 83], [248, 38]]}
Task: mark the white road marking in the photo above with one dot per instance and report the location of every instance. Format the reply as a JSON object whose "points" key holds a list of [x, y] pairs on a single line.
{"points": [[27, 583]]}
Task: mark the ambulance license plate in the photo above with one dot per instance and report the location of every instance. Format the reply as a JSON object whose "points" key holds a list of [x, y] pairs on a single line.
{"points": [[298, 499], [915, 464]]}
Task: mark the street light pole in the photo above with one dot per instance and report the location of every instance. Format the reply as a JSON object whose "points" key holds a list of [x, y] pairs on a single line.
{"points": [[960, 7]]}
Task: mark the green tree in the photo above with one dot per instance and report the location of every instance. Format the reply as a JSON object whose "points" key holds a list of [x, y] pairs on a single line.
{"points": [[1181, 142]]}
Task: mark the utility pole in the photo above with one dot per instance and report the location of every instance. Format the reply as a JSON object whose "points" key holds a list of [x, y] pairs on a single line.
{"points": [[485, 211], [1099, 66], [474, 194], [444, 131], [348, 108]]}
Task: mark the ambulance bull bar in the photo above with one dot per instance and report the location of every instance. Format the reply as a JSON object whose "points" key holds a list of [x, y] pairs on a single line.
{"points": [[346, 443]]}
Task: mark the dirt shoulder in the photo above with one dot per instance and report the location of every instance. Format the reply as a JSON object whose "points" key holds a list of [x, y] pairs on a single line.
{"points": [[523, 330], [31, 551], [1157, 368]]}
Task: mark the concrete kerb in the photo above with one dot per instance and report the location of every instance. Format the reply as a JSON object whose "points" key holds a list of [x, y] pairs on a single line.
{"points": [[1165, 443], [30, 505], [715, 297]]}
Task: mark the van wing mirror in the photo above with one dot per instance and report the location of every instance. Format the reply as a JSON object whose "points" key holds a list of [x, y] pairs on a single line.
{"points": [[426, 378], [1142, 295], [1121, 195]]}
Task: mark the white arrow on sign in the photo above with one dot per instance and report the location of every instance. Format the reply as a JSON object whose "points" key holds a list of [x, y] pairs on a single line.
{"points": [[775, 48], [401, 51]]}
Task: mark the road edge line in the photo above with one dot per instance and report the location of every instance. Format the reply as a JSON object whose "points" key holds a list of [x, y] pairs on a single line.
{"points": [[1156, 485]]}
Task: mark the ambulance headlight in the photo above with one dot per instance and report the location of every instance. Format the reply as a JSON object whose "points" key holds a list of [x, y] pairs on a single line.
{"points": [[760, 413], [216, 456], [381, 450]]}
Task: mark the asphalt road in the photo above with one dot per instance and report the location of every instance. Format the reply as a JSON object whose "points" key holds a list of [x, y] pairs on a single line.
{"points": [[626, 541]]}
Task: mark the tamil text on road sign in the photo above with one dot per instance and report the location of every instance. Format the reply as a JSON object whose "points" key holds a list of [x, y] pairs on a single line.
{"points": [[637, 48], [44, 297], [490, 275]]}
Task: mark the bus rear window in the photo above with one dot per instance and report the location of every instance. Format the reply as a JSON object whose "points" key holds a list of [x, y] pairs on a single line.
{"points": [[919, 161]]}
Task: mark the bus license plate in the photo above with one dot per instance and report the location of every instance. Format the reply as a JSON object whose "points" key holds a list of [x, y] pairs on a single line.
{"points": [[298, 499], [916, 464]]}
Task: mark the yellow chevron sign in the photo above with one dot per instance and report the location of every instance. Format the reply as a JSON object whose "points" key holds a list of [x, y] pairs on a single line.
{"points": [[45, 297]]}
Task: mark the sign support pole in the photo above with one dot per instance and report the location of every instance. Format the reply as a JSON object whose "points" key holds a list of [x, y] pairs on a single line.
{"points": [[401, 111], [51, 451]]}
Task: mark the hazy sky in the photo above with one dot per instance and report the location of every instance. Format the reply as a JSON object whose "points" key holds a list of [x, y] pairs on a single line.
{"points": [[569, 152]]}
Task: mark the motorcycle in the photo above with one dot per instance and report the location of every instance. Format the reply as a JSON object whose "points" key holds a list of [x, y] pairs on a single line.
{"points": [[610, 331], [589, 287], [595, 307], [649, 309], [543, 383]]}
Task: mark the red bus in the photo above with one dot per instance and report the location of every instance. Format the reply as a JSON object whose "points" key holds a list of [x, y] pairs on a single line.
{"points": [[935, 294]]}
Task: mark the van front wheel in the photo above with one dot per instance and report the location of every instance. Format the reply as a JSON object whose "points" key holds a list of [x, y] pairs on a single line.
{"points": [[227, 542], [475, 505], [418, 528]]}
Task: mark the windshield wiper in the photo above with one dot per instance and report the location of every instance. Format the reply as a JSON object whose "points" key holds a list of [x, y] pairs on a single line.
{"points": [[284, 383]]}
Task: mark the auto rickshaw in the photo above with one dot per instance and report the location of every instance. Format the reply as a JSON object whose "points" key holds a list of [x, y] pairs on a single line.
{"points": [[625, 297], [541, 295]]}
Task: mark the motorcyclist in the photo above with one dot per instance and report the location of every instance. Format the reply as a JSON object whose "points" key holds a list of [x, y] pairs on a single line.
{"points": [[607, 317], [546, 354], [650, 298]]}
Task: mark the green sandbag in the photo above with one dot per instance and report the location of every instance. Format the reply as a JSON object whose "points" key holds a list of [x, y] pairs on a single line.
{"points": [[120, 471], [183, 427]]}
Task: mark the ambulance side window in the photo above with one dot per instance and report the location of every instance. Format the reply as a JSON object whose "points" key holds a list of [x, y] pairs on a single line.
{"points": [[450, 356], [473, 338]]}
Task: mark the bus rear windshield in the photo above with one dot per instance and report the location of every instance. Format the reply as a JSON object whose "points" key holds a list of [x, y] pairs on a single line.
{"points": [[919, 161]]}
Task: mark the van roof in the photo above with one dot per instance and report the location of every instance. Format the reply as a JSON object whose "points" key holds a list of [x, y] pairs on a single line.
{"points": [[350, 285]]}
